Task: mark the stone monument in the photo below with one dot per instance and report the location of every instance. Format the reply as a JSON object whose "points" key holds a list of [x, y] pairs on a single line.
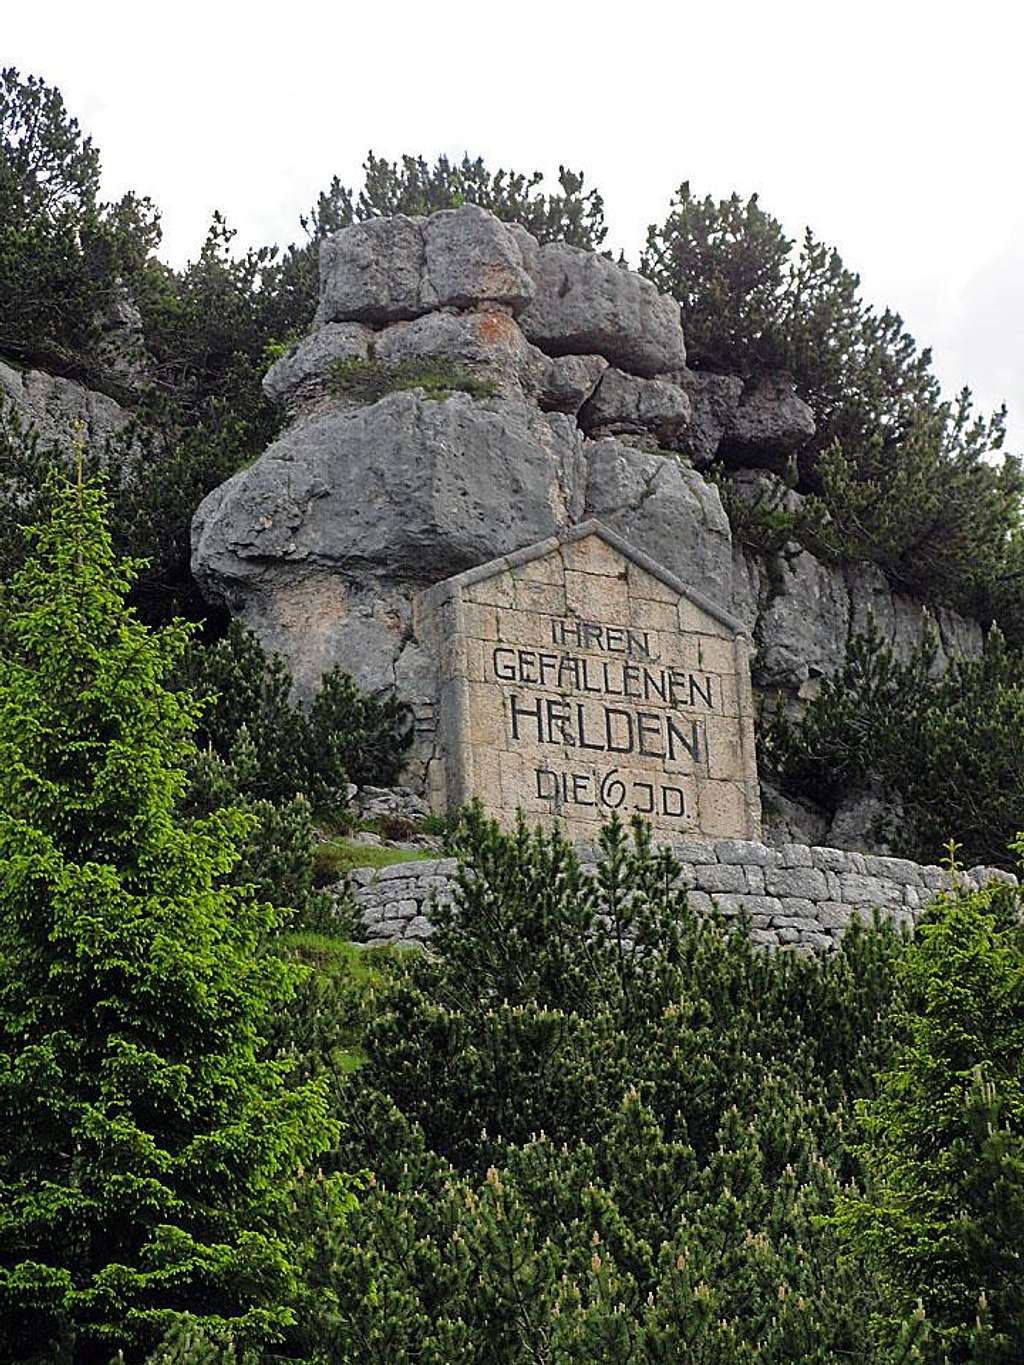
{"points": [[577, 677]]}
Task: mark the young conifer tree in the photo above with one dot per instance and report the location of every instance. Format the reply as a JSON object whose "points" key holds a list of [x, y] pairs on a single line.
{"points": [[144, 1143]]}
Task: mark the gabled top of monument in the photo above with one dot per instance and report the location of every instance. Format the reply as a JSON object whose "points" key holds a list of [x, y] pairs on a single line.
{"points": [[573, 535]]}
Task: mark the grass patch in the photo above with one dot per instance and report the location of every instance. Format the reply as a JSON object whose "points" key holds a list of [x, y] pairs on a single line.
{"points": [[331, 861], [365, 381], [344, 983]]}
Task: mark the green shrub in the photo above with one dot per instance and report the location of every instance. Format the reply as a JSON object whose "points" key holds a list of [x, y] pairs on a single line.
{"points": [[64, 256], [272, 748], [942, 1218], [948, 746], [602, 1128]]}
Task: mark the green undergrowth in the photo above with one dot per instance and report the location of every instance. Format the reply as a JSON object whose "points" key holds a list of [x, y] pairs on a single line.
{"points": [[366, 381], [338, 995], [332, 860]]}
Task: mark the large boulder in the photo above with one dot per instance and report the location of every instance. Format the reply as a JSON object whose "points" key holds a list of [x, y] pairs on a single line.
{"points": [[768, 426], [567, 381], [407, 488], [390, 269], [585, 304], [486, 344], [306, 368], [624, 404], [714, 399], [665, 509]]}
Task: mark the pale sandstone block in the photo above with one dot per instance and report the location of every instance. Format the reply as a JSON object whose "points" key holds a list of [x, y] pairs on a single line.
{"points": [[692, 619], [498, 591], [548, 598], [722, 809], [597, 597], [480, 622], [592, 555]]}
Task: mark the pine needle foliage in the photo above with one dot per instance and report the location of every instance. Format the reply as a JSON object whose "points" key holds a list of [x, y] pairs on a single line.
{"points": [[144, 1138], [949, 746], [602, 1128], [942, 1220]]}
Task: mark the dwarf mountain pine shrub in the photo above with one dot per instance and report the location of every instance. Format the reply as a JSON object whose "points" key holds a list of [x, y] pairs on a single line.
{"points": [[948, 745], [601, 1128]]}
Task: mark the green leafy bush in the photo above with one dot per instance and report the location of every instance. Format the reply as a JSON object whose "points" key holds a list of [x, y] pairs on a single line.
{"points": [[948, 746]]}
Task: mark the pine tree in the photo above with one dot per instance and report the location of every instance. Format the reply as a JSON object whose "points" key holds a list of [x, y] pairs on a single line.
{"points": [[144, 1142], [942, 1222]]}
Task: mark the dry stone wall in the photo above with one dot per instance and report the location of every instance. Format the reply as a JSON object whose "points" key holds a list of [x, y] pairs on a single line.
{"points": [[796, 897]]}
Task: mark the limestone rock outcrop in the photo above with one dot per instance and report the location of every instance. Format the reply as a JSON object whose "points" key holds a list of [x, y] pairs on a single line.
{"points": [[802, 614], [554, 388], [623, 404], [585, 304], [391, 269], [62, 411]]}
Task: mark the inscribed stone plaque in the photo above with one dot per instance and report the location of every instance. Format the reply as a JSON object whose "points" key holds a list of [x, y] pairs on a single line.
{"points": [[578, 678]]}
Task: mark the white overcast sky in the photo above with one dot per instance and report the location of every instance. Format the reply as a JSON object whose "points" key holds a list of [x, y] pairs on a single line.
{"points": [[893, 129]]}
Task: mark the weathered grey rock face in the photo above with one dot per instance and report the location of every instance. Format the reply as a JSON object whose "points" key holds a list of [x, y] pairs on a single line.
{"points": [[786, 821], [665, 509], [866, 821], [389, 269], [714, 399], [802, 614], [62, 411], [585, 305], [309, 364], [412, 489], [625, 404], [769, 425]]}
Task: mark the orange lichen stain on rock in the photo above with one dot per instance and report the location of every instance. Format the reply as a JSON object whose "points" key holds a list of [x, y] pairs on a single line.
{"points": [[494, 328]]}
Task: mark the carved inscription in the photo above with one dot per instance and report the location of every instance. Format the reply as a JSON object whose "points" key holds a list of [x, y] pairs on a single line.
{"points": [[581, 685], [621, 706]]}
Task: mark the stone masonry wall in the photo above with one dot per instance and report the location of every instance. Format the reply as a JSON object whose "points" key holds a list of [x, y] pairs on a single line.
{"points": [[796, 896]]}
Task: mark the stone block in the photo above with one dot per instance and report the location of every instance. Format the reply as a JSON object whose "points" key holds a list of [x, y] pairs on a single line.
{"points": [[833, 914], [745, 851], [690, 851], [801, 880], [795, 855], [763, 908], [764, 938], [831, 859], [900, 870], [797, 907], [720, 877], [861, 889], [396, 871]]}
